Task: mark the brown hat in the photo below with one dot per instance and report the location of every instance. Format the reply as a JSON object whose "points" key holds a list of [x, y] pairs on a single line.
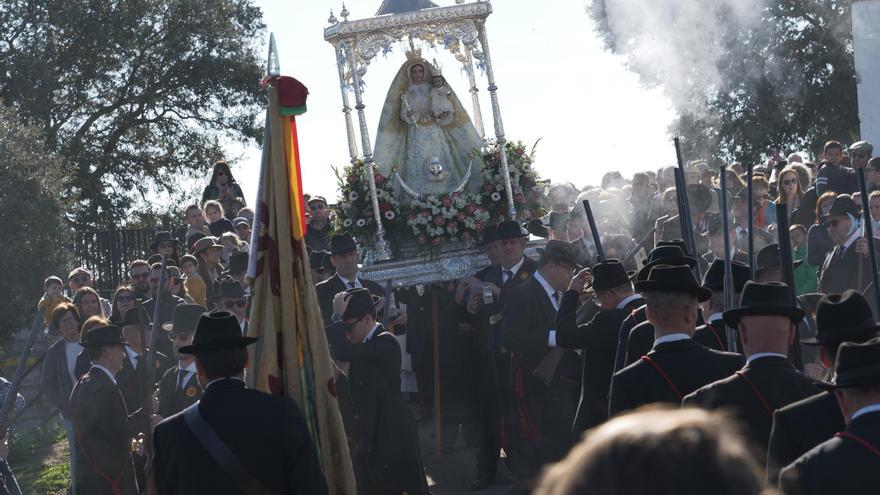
{"points": [[205, 243]]}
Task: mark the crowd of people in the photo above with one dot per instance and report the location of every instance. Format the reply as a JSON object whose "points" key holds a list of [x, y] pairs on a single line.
{"points": [[560, 365]]}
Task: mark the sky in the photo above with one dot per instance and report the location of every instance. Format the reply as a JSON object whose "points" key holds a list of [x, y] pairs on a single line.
{"points": [[555, 83]]}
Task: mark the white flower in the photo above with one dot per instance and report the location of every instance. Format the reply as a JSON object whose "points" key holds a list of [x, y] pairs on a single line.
{"points": [[346, 223], [389, 215], [353, 195], [496, 196], [361, 222]]}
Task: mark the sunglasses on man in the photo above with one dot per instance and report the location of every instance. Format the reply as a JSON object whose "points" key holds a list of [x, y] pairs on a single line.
{"points": [[79, 279]]}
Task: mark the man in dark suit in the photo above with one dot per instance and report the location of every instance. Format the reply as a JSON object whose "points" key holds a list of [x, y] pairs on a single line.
{"points": [[546, 377], [266, 434], [677, 365], [667, 253], [713, 334], [101, 427], [597, 339], [505, 246], [714, 233], [846, 266], [179, 387], [387, 458], [168, 298], [700, 200], [846, 463], [765, 321], [344, 257], [136, 331], [802, 425]]}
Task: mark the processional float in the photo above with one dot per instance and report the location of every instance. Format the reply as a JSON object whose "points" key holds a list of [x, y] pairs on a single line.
{"points": [[411, 25]]}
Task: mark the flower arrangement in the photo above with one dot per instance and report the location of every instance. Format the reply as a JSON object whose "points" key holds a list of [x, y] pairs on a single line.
{"points": [[353, 212], [524, 182], [450, 218]]}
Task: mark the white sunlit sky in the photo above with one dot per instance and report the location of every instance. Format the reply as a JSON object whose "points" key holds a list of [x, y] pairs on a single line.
{"points": [[555, 80]]}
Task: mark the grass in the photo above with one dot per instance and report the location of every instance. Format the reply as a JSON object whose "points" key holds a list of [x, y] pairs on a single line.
{"points": [[39, 459]]}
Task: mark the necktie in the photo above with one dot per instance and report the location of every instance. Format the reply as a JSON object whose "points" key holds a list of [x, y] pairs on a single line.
{"points": [[556, 298], [181, 378], [508, 274]]}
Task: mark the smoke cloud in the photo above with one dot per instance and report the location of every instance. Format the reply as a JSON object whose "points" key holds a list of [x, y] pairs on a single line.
{"points": [[681, 45]]}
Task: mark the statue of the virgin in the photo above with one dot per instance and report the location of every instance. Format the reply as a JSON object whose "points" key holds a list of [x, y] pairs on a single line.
{"points": [[425, 132]]}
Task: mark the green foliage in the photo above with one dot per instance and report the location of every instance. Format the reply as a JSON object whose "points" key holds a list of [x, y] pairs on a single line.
{"points": [[135, 95], [39, 459], [32, 213], [786, 80]]}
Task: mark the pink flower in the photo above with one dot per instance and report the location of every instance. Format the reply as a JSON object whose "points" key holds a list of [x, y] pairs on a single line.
{"points": [[378, 178], [461, 217], [352, 179], [519, 198], [422, 239], [478, 226], [425, 213], [439, 220], [437, 241], [489, 187], [383, 207], [455, 194], [471, 208], [446, 201]]}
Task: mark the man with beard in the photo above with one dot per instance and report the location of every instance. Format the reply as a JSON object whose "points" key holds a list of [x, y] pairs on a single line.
{"points": [[139, 278]]}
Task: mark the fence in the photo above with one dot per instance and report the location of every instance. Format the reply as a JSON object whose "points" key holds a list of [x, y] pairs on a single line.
{"points": [[107, 253]]}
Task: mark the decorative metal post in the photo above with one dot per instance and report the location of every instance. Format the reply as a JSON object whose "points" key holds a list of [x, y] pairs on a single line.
{"points": [[478, 114], [346, 107], [382, 253], [496, 116]]}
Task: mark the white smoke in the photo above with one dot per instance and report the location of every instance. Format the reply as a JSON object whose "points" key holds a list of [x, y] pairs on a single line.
{"points": [[680, 44]]}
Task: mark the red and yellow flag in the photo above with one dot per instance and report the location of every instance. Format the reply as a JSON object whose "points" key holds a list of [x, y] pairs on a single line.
{"points": [[291, 358]]}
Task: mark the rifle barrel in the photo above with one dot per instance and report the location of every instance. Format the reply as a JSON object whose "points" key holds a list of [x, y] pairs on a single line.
{"points": [[594, 231], [869, 234], [9, 403]]}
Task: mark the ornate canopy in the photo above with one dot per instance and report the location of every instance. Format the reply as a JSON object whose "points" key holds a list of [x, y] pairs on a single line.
{"points": [[401, 6]]}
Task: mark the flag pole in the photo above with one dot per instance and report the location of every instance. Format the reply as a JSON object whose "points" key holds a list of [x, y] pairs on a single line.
{"points": [[435, 326]]}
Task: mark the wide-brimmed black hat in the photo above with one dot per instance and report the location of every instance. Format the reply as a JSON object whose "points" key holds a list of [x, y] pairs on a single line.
{"points": [[238, 262], [537, 228], [342, 244], [714, 277], [316, 259], [360, 302], [136, 316], [489, 234], [842, 205], [162, 236], [509, 229], [216, 331], [768, 257], [857, 365], [228, 288], [764, 299], [666, 254], [99, 336], [845, 317], [610, 274], [561, 252], [186, 318], [673, 278]]}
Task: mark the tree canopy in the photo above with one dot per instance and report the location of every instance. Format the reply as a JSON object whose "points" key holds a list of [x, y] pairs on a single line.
{"points": [[31, 212], [134, 95], [783, 71]]}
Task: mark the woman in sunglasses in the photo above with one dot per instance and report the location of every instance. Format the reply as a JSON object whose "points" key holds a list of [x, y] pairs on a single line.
{"points": [[790, 194], [224, 189], [122, 301]]}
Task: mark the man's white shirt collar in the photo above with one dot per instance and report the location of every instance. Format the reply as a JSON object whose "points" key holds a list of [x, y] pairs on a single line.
{"points": [[548, 289], [357, 281], [865, 410], [105, 370], [514, 269], [672, 337], [370, 335], [622, 304], [759, 355], [132, 356]]}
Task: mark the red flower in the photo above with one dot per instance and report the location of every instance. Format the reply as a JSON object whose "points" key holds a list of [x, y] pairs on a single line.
{"points": [[478, 226], [489, 187], [452, 225], [378, 178], [422, 239], [455, 194], [519, 198], [439, 220], [471, 208], [383, 207], [446, 201], [352, 179], [425, 213], [461, 217], [437, 241]]}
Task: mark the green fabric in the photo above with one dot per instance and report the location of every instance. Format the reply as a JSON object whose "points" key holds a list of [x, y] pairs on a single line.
{"points": [[805, 280], [292, 110]]}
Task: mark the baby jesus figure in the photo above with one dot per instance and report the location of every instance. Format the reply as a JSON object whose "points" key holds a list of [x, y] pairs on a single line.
{"points": [[441, 107]]}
